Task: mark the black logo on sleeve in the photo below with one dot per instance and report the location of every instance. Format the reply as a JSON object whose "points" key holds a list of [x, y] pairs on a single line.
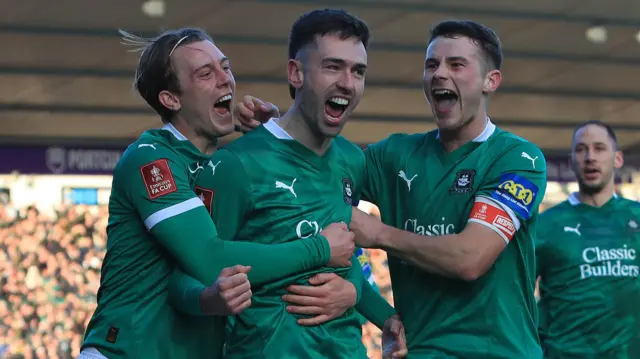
{"points": [[463, 183], [347, 191]]}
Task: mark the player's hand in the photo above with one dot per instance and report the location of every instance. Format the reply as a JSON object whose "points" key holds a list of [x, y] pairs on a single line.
{"points": [[230, 294], [251, 112], [341, 243], [394, 342], [366, 229], [328, 297]]}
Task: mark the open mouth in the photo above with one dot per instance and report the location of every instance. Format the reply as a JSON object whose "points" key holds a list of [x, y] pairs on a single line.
{"points": [[591, 173], [223, 105], [444, 100], [335, 107]]}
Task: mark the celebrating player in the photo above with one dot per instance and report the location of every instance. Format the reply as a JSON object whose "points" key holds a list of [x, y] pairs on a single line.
{"points": [[287, 180], [587, 258], [157, 222], [474, 189]]}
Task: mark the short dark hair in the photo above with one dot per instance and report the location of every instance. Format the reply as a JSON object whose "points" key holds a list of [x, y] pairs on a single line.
{"points": [[481, 35], [154, 73], [609, 129], [321, 23]]}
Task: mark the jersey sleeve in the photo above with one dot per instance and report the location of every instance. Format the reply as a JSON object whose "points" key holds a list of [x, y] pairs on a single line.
{"points": [[229, 190], [158, 188], [373, 307], [511, 192]]}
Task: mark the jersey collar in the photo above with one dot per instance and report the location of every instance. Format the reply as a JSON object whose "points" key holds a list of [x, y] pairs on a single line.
{"points": [[276, 130], [169, 127], [489, 129], [574, 200]]}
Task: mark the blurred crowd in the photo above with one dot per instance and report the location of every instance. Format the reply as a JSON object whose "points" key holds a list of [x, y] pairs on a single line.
{"points": [[49, 277]]}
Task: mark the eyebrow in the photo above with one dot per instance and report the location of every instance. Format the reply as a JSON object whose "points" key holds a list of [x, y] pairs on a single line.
{"points": [[449, 59], [358, 65], [222, 61]]}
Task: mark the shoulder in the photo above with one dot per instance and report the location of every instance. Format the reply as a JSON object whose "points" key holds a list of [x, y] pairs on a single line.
{"points": [[517, 146], [349, 149], [554, 214], [147, 151]]}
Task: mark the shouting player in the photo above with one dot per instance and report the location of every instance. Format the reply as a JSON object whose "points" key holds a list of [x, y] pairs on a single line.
{"points": [[287, 180], [156, 221], [468, 290], [587, 258]]}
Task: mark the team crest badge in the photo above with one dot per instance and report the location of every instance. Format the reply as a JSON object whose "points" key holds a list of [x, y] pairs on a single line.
{"points": [[347, 191], [463, 183]]}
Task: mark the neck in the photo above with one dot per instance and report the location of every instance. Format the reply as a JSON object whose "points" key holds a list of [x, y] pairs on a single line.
{"points": [[454, 139], [295, 124], [204, 144], [597, 199]]}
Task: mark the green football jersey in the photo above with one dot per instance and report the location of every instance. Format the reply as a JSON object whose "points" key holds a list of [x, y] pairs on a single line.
{"points": [[498, 179], [157, 223], [587, 259], [271, 189]]}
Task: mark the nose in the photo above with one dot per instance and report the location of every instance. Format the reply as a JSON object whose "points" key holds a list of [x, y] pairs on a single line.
{"points": [[346, 82], [441, 72], [224, 78]]}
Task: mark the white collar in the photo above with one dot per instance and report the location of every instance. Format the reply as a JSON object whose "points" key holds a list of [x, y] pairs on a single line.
{"points": [[276, 130], [169, 127], [489, 129], [574, 200]]}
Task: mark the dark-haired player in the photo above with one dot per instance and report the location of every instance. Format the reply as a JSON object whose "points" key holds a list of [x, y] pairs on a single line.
{"points": [[459, 207], [587, 258], [158, 223]]}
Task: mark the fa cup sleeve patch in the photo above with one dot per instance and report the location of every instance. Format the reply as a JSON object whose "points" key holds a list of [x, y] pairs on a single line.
{"points": [[158, 179], [491, 215]]}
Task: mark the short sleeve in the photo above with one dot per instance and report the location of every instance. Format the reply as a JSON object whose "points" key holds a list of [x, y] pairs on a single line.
{"points": [[512, 190]]}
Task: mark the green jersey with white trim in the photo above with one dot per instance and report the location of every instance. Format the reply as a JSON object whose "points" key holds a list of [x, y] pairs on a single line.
{"points": [[156, 222], [498, 181], [587, 260], [271, 189]]}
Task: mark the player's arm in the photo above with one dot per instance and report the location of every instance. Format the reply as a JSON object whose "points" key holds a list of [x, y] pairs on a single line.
{"points": [[374, 171], [162, 196], [503, 205]]}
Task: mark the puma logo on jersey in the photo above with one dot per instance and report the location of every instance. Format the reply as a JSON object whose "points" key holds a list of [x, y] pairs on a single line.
{"points": [[402, 175], [575, 230], [633, 224], [198, 167], [285, 186], [533, 160], [146, 145], [213, 167]]}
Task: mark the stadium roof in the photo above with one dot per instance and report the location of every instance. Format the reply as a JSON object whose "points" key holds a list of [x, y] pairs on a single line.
{"points": [[64, 73]]}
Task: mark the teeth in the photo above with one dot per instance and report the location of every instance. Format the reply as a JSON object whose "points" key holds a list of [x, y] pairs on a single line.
{"points": [[339, 101], [443, 92], [224, 98]]}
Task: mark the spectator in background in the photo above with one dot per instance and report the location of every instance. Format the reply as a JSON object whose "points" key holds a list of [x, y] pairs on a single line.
{"points": [[49, 277], [49, 274]]}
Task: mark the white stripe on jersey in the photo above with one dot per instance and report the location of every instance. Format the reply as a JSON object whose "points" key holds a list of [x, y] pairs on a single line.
{"points": [[175, 210], [512, 215]]}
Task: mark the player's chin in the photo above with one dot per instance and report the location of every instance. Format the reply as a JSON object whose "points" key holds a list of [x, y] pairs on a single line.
{"points": [[222, 123]]}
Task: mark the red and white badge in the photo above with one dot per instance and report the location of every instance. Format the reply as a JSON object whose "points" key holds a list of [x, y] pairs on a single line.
{"points": [[158, 178], [490, 214], [206, 195]]}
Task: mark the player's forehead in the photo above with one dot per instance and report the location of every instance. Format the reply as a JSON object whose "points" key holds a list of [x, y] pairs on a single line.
{"points": [[351, 50], [197, 54], [592, 134], [443, 47]]}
